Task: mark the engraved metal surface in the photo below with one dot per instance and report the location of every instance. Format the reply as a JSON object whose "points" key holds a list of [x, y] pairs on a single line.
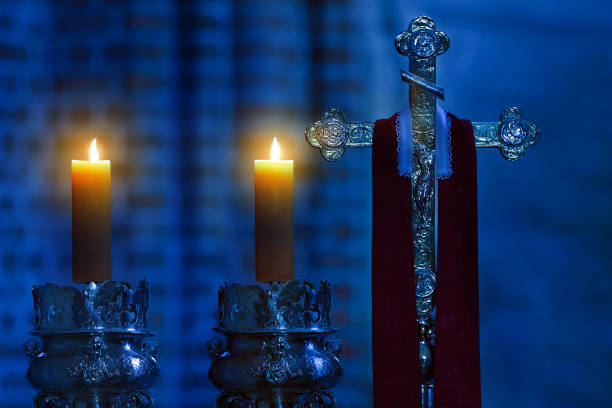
{"points": [[512, 134], [333, 134], [277, 365], [93, 350], [47, 400], [430, 87], [32, 349], [425, 283], [275, 351], [95, 364], [512, 139], [421, 40]]}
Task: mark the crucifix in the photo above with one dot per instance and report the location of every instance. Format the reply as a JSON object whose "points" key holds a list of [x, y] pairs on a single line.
{"points": [[512, 135]]}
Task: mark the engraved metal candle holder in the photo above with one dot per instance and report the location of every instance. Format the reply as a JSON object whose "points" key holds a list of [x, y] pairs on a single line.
{"points": [[275, 352], [93, 350]]}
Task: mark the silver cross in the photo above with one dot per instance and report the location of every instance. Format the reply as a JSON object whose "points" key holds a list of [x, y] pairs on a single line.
{"points": [[511, 134]]}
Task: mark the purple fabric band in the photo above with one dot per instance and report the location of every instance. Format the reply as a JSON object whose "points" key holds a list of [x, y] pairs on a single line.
{"points": [[443, 143]]}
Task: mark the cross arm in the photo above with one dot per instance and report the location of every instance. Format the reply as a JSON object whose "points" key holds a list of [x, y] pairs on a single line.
{"points": [[333, 134], [511, 134]]}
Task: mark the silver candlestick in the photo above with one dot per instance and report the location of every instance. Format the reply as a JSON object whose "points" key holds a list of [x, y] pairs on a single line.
{"points": [[93, 351], [275, 352]]}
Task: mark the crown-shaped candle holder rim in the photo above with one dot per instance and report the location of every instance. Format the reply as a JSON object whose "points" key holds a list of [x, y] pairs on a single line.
{"points": [[107, 307], [292, 306]]}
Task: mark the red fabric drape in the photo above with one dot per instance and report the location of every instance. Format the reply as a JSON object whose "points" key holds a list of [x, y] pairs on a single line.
{"points": [[394, 329]]}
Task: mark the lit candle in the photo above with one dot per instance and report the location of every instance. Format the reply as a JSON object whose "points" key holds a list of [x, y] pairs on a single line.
{"points": [[91, 226], [274, 218]]}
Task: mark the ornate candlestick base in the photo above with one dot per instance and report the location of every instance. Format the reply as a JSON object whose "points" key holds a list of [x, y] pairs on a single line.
{"points": [[275, 353], [93, 352]]}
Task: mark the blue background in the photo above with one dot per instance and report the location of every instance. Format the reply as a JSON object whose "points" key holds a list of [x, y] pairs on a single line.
{"points": [[184, 95]]}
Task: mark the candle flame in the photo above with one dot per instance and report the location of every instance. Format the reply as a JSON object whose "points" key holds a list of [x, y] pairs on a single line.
{"points": [[93, 152], [275, 151]]}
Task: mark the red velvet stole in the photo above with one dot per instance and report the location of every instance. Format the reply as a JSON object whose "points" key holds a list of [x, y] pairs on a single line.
{"points": [[394, 329]]}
